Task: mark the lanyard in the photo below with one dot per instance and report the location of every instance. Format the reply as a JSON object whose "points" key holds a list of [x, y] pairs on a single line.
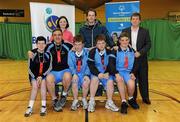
{"points": [[58, 52], [41, 64]]}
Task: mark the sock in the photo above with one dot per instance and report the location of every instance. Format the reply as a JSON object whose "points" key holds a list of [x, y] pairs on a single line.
{"points": [[109, 101], [64, 93], [124, 100], [31, 103], [91, 98], [75, 100], [130, 98], [43, 102], [83, 99]]}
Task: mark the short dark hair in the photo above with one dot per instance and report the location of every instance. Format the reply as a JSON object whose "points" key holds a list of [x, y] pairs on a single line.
{"points": [[91, 9], [61, 17], [57, 29], [40, 38], [136, 14], [100, 37], [115, 34], [78, 38], [124, 34]]}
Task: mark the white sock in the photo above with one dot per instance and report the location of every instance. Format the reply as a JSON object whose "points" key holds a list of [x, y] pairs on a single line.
{"points": [[64, 93], [76, 100], [84, 99], [31, 103], [91, 98], [43, 102], [109, 101], [124, 100], [130, 98]]}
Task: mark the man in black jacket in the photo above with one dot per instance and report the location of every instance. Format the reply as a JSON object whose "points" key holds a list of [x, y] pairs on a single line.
{"points": [[141, 43], [92, 28]]}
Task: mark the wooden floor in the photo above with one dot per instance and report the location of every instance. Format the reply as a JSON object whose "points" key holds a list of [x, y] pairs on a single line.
{"points": [[164, 80]]}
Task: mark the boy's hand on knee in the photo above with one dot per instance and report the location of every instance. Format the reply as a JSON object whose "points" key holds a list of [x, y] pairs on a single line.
{"points": [[86, 78], [100, 75], [106, 75], [132, 76], [39, 80], [75, 78], [118, 77]]}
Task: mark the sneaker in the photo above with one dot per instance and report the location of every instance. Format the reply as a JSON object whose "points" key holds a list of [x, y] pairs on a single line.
{"points": [[43, 111], [111, 106], [56, 106], [28, 112], [91, 107], [75, 105], [132, 102], [124, 107], [62, 101], [84, 104]]}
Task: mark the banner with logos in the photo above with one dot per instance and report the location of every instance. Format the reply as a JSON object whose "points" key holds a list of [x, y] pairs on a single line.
{"points": [[118, 15], [44, 18]]}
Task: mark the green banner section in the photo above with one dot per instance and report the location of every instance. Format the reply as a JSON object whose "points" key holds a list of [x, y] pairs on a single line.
{"points": [[15, 39]]}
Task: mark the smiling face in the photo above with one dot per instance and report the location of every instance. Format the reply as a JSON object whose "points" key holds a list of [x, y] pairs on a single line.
{"points": [[124, 42], [101, 44], [91, 17], [135, 21], [41, 45], [62, 23], [78, 46], [57, 36]]}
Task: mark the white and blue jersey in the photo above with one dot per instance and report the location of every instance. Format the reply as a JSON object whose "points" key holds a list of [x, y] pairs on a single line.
{"points": [[123, 63], [99, 64], [78, 64]]}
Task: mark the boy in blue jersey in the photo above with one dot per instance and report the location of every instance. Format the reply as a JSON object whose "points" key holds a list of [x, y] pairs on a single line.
{"points": [[77, 61], [39, 66], [123, 67], [98, 62]]}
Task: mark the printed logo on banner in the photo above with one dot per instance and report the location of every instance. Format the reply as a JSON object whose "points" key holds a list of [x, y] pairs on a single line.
{"points": [[51, 20], [121, 8], [118, 15]]}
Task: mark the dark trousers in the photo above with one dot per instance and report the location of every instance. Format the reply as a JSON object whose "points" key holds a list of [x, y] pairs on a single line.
{"points": [[142, 80]]}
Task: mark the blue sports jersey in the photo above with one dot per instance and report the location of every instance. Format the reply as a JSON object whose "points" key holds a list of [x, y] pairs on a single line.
{"points": [[73, 61]]}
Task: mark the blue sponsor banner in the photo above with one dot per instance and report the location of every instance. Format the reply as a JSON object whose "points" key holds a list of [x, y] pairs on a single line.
{"points": [[118, 15]]}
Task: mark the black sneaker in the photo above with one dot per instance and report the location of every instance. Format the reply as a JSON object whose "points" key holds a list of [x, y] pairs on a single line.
{"points": [[62, 101], [43, 111], [132, 102], [56, 106], [124, 107]]}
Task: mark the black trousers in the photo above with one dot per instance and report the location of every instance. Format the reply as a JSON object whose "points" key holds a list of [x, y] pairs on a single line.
{"points": [[142, 80]]}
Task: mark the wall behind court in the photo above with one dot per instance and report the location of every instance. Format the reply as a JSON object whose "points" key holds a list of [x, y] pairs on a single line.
{"points": [[150, 9]]}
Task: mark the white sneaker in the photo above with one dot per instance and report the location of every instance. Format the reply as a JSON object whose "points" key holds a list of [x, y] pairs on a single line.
{"points": [[28, 112], [75, 105], [110, 105], [84, 104], [91, 107], [43, 111]]}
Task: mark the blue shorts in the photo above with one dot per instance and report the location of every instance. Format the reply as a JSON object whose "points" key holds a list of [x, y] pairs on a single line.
{"points": [[58, 75], [80, 80], [125, 75], [103, 81]]}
